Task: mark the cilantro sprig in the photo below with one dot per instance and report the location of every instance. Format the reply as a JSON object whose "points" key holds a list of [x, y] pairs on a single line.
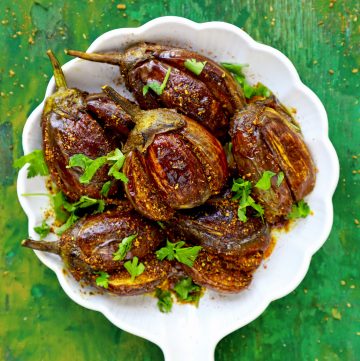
{"points": [[194, 66], [43, 230], [185, 255], [124, 247], [115, 159], [37, 165], [103, 279], [157, 87], [164, 300], [242, 191], [264, 182], [299, 210], [134, 268], [186, 290], [249, 91]]}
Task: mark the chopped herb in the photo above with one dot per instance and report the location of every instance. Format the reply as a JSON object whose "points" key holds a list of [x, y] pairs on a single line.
{"points": [[155, 86], [236, 69], [161, 225], [299, 210], [84, 202], [124, 247], [90, 166], [37, 163], [105, 189], [242, 191], [280, 178], [42, 230], [187, 290], [194, 66], [103, 279], [134, 268], [165, 301], [264, 182], [115, 158], [185, 255], [69, 222], [249, 91]]}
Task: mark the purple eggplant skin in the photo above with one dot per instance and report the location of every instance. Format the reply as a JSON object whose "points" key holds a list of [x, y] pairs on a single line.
{"points": [[264, 139], [69, 129], [216, 227], [113, 119], [253, 157], [210, 98], [88, 247], [172, 162]]}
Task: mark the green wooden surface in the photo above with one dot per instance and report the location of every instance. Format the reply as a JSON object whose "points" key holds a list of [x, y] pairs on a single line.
{"points": [[318, 321]]}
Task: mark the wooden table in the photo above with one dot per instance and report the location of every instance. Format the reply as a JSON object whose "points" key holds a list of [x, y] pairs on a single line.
{"points": [[318, 321]]}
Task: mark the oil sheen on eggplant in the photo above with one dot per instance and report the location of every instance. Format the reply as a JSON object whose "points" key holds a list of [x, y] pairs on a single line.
{"points": [[88, 247], [172, 162], [210, 98], [68, 128], [265, 140]]}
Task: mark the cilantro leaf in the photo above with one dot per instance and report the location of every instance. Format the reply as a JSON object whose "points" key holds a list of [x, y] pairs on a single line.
{"points": [[134, 268], [264, 182], [90, 166], [280, 178], [117, 159], [37, 163], [103, 279], [194, 66], [124, 247], [42, 230], [155, 86], [69, 222], [185, 255], [249, 91], [299, 210], [234, 68], [165, 301], [242, 191], [105, 189], [187, 290]]}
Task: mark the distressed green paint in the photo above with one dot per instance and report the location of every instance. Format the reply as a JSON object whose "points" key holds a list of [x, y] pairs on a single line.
{"points": [[37, 320]]}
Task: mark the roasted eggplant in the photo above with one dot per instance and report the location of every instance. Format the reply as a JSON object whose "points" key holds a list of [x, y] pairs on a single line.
{"points": [[265, 140], [69, 129], [88, 248], [172, 162], [210, 97]]}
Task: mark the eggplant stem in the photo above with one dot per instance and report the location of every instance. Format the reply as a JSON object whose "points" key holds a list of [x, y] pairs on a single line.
{"points": [[58, 73], [44, 246], [130, 108], [109, 58]]}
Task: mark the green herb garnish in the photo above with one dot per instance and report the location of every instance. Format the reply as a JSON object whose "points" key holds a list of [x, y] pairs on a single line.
{"points": [[103, 279], [264, 182], [249, 91], [37, 163], [42, 230], [115, 159], [155, 86], [105, 189], [134, 268], [187, 290], [299, 210], [124, 247], [242, 191], [280, 178], [165, 301], [185, 255], [194, 66]]}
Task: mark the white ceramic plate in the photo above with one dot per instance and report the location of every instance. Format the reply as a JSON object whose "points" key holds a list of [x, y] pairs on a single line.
{"points": [[190, 333]]}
